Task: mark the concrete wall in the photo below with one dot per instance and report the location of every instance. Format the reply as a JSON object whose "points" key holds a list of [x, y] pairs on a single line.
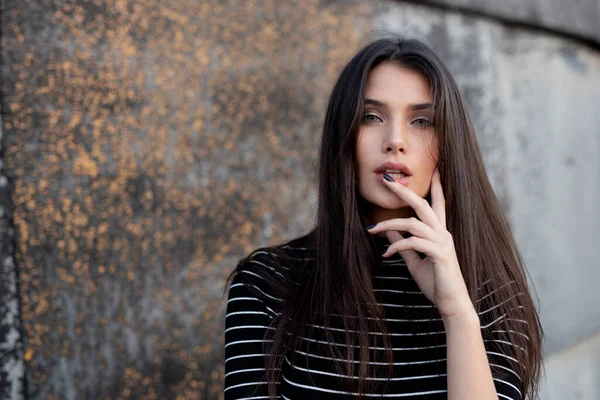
{"points": [[534, 98], [149, 146], [578, 19]]}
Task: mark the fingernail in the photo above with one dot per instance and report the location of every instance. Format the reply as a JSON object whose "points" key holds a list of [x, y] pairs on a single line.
{"points": [[387, 177], [369, 226]]}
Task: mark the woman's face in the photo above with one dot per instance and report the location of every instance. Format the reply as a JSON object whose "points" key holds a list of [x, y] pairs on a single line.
{"points": [[396, 127]]}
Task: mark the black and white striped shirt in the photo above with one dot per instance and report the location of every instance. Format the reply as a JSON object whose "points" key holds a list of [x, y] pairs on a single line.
{"points": [[415, 327]]}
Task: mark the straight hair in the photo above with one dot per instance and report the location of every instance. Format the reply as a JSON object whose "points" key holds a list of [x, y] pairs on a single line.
{"points": [[338, 282]]}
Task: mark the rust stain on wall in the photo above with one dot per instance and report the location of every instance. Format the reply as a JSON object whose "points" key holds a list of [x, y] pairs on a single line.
{"points": [[150, 142]]}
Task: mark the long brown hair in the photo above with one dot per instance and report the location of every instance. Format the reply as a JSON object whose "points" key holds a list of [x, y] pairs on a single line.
{"points": [[339, 280]]}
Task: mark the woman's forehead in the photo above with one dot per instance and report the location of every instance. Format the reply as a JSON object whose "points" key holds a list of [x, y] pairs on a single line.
{"points": [[393, 86]]}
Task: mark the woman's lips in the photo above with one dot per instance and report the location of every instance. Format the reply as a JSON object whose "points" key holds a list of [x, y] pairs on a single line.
{"points": [[403, 181]]}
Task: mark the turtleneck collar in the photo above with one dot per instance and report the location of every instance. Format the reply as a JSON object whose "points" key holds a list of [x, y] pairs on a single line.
{"points": [[382, 242]]}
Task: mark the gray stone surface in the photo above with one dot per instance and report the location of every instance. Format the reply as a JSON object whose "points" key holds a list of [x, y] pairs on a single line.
{"points": [[141, 320], [577, 18], [574, 373], [551, 126], [534, 102], [12, 368]]}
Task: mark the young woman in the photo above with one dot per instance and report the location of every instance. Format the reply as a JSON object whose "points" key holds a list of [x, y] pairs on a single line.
{"points": [[429, 301]]}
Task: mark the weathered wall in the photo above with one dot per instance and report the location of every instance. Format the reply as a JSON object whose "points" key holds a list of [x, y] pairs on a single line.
{"points": [[534, 100], [12, 368], [578, 19], [151, 145]]}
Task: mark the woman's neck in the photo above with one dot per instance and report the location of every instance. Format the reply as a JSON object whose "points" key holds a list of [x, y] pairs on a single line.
{"points": [[378, 214]]}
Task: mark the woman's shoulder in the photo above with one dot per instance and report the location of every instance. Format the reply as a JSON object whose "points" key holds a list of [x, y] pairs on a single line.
{"points": [[298, 249], [271, 271], [282, 256]]}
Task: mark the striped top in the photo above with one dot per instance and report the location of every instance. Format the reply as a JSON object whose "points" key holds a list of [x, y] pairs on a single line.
{"points": [[415, 327]]}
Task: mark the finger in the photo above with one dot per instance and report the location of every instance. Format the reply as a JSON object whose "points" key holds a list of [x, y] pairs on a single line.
{"points": [[409, 256], [419, 204], [412, 225], [413, 243], [438, 201]]}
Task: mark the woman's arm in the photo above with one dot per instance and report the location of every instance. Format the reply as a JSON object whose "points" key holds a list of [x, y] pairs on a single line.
{"points": [[469, 374], [468, 366], [439, 277]]}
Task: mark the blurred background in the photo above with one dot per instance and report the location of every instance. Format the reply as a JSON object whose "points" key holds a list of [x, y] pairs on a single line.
{"points": [[146, 146]]}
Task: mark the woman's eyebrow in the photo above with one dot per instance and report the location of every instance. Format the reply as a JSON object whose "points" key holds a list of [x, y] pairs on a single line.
{"points": [[377, 103], [420, 106], [410, 107]]}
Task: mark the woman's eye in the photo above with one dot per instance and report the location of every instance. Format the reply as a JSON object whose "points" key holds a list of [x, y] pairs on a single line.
{"points": [[422, 122], [371, 118]]}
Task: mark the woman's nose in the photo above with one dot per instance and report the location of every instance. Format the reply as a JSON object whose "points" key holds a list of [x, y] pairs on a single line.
{"points": [[396, 140]]}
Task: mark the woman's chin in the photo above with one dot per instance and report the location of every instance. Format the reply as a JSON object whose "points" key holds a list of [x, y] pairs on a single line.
{"points": [[391, 204]]}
